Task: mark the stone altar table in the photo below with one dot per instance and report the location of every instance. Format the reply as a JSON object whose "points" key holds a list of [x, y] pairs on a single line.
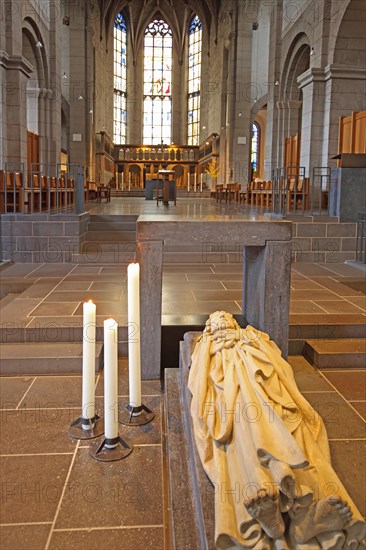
{"points": [[266, 246]]}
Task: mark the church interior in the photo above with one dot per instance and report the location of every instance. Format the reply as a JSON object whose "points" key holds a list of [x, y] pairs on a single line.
{"points": [[220, 147]]}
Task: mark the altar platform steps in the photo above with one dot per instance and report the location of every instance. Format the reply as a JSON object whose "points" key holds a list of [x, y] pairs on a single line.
{"points": [[34, 358], [343, 353]]}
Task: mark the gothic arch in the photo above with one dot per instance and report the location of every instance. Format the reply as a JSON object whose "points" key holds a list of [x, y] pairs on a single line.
{"points": [[344, 41], [296, 63]]}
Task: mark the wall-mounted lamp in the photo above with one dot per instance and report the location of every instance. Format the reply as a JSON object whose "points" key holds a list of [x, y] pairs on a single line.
{"points": [[239, 114], [277, 83], [39, 44], [80, 97], [203, 127], [207, 143], [64, 76], [312, 50], [91, 111]]}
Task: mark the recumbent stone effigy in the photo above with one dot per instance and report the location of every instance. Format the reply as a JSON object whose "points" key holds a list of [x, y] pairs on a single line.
{"points": [[264, 448]]}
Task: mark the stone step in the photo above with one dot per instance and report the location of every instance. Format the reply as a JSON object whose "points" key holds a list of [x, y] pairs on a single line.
{"points": [[110, 225], [338, 353], [113, 218], [111, 236], [45, 358], [108, 246], [201, 257], [119, 255]]}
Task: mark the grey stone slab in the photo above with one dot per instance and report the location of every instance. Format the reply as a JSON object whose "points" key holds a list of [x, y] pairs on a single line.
{"points": [[185, 532], [174, 228], [45, 358], [326, 244], [337, 353], [12, 390], [129, 491], [147, 538], [51, 309], [341, 230], [41, 229], [312, 230]]}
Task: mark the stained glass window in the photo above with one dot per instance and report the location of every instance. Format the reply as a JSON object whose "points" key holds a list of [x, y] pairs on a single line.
{"points": [[157, 83], [255, 147], [194, 80], [120, 80]]}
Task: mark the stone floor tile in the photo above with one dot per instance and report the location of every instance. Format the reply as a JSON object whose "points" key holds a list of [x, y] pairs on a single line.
{"points": [[52, 309], [217, 295], [349, 461], [310, 269], [108, 309], [41, 430], [335, 306], [360, 407], [201, 307], [306, 376], [54, 392], [33, 486], [74, 285], [127, 492], [100, 539], [107, 295], [303, 306], [304, 284], [12, 389], [359, 301], [352, 385], [24, 537], [340, 420], [313, 294]]}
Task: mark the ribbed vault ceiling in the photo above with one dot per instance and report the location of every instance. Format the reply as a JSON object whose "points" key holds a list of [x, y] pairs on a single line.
{"points": [[177, 13]]}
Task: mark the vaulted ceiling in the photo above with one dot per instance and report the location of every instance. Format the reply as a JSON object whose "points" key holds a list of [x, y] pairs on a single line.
{"points": [[177, 13]]}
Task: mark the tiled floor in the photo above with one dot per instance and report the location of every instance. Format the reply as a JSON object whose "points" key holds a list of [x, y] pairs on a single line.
{"points": [[57, 291], [53, 495]]}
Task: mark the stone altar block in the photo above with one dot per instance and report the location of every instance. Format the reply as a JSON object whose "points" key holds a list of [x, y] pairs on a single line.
{"points": [[266, 245]]}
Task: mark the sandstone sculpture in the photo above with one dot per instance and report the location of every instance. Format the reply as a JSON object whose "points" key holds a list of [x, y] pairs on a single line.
{"points": [[264, 448]]}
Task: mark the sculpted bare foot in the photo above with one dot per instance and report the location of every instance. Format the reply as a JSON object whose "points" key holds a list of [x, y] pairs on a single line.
{"points": [[266, 510], [328, 514]]}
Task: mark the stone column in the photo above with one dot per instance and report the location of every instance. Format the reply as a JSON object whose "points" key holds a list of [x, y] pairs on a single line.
{"points": [[17, 73], [313, 88], [150, 257], [266, 289]]}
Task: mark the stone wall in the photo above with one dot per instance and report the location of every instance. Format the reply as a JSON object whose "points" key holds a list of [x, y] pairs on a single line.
{"points": [[42, 238]]}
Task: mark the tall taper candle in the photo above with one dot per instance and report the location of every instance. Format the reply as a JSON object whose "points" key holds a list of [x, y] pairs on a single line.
{"points": [[88, 393], [110, 379], [134, 358], [195, 182], [122, 180], [201, 184]]}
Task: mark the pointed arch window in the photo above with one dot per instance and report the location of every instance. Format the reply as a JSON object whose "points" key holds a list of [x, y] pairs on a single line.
{"points": [[194, 80], [158, 57], [255, 147], [120, 80]]}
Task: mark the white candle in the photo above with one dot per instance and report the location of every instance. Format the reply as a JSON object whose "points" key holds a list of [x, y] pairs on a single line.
{"points": [[134, 359], [110, 379], [88, 392], [122, 180], [201, 184], [195, 182], [129, 181], [189, 182]]}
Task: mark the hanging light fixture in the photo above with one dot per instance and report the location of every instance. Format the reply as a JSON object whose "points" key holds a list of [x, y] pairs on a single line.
{"points": [[39, 44]]}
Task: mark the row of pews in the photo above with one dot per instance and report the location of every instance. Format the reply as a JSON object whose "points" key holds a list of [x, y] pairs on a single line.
{"points": [[260, 193], [39, 193]]}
